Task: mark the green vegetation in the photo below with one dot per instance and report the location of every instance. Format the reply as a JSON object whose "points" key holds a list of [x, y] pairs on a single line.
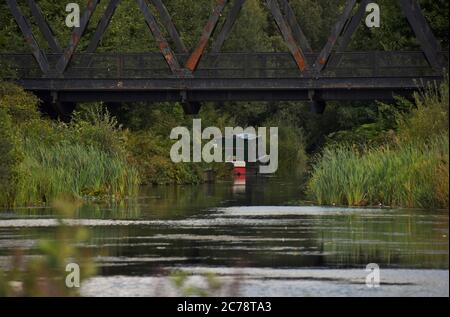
{"points": [[363, 153], [411, 170], [10, 158], [408, 175], [106, 151], [148, 143], [79, 170], [43, 159], [254, 30], [46, 274], [180, 280], [150, 155]]}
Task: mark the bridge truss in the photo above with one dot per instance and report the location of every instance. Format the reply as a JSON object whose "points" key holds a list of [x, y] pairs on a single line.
{"points": [[205, 73]]}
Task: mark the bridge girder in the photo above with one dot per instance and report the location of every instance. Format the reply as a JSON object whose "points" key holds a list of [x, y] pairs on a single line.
{"points": [[283, 15], [281, 11]]}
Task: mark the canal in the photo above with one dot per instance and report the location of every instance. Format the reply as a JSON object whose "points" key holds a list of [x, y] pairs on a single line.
{"points": [[252, 239]]}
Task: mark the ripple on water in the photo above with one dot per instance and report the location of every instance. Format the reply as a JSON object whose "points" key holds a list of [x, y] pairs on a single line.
{"points": [[267, 282], [254, 211], [287, 239], [222, 216]]}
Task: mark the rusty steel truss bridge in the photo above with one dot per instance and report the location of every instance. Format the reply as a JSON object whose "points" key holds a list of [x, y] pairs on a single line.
{"points": [[66, 76]]}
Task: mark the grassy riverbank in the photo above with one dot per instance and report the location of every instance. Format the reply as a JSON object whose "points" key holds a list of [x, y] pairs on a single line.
{"points": [[401, 159], [409, 169], [94, 157], [407, 175], [44, 159]]}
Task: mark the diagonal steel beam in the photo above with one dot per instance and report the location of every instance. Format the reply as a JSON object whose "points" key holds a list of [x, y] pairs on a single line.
{"points": [[227, 26], [64, 60], [353, 25], [350, 29], [324, 55], [38, 54], [193, 60], [163, 45], [288, 36], [46, 30], [297, 31], [423, 32], [166, 19], [102, 26]]}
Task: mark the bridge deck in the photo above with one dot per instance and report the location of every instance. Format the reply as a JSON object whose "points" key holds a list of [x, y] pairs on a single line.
{"points": [[226, 76]]}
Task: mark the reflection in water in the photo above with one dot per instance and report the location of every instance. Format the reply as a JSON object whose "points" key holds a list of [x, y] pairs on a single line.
{"points": [[239, 183], [219, 226]]}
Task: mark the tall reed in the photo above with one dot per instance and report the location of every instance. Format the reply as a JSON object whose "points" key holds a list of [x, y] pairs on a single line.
{"points": [[407, 175], [72, 169]]}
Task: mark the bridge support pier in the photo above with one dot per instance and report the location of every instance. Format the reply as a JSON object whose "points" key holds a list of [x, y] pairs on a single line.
{"points": [[63, 110], [317, 104], [191, 107], [55, 108]]}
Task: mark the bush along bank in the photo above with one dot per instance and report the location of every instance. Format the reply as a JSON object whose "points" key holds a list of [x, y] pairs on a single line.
{"points": [[44, 159], [410, 170], [92, 157], [407, 175]]}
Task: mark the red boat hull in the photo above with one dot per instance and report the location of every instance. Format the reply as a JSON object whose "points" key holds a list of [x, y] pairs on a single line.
{"points": [[240, 170]]}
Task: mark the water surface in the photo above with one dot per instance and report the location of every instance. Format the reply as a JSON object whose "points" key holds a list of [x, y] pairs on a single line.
{"points": [[256, 239]]}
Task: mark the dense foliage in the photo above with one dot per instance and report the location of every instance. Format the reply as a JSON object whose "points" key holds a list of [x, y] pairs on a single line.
{"points": [[43, 159], [362, 153], [254, 31], [45, 275], [130, 141], [409, 168]]}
